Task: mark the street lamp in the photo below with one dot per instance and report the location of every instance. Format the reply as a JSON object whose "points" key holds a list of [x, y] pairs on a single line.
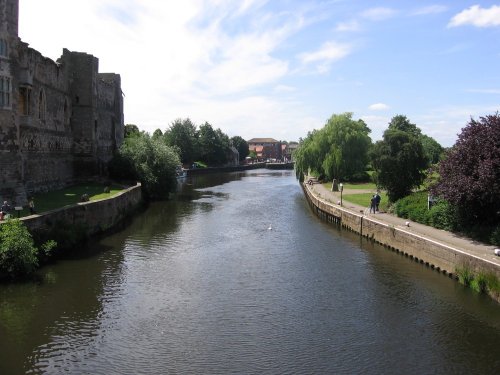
{"points": [[341, 188]]}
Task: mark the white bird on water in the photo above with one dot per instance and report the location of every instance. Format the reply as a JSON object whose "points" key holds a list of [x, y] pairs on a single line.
{"points": [[270, 227]]}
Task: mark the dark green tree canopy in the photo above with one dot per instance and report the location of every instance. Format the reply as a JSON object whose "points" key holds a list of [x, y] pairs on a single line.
{"points": [[432, 149], [131, 129], [399, 163], [241, 145], [183, 134], [400, 122], [214, 145]]}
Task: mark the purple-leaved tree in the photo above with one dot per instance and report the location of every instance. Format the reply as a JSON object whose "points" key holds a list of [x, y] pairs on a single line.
{"points": [[470, 173]]}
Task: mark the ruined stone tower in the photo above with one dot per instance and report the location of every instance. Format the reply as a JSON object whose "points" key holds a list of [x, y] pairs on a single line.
{"points": [[59, 121]]}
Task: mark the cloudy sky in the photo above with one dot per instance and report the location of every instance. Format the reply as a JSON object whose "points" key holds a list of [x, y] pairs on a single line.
{"points": [[281, 68]]}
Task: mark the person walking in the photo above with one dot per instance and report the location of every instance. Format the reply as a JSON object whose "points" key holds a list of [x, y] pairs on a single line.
{"points": [[377, 200], [373, 204], [31, 205]]}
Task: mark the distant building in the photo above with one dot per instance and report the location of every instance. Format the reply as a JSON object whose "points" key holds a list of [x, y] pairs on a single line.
{"points": [[289, 149], [59, 121], [265, 148]]}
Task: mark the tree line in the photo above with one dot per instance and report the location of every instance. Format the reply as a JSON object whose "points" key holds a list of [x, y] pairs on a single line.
{"points": [[154, 159], [464, 179]]}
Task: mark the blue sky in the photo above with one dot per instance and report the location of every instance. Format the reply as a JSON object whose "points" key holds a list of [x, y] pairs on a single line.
{"points": [[281, 68]]}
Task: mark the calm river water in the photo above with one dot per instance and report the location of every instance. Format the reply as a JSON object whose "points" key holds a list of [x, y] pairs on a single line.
{"points": [[237, 276]]}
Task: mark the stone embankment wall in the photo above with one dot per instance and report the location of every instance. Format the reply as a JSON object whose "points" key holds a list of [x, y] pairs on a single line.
{"points": [[438, 256], [96, 216]]}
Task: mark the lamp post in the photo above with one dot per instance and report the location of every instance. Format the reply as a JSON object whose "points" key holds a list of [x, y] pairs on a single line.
{"points": [[341, 188]]}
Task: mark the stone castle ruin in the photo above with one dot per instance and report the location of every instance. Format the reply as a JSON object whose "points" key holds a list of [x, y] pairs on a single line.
{"points": [[60, 122]]}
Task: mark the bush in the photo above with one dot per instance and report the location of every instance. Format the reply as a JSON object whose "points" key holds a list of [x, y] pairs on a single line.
{"points": [[442, 216], [495, 236], [18, 254]]}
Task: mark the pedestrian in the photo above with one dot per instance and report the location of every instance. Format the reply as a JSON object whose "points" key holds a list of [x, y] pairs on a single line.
{"points": [[377, 200], [31, 205], [373, 205], [5, 209]]}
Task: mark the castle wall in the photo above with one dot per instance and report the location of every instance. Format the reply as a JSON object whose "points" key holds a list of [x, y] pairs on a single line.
{"points": [[59, 121]]}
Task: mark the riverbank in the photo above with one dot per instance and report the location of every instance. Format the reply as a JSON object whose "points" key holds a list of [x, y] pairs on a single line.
{"points": [[92, 217], [442, 251]]}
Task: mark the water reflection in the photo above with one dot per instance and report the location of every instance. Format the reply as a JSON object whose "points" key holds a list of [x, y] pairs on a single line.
{"points": [[200, 284]]}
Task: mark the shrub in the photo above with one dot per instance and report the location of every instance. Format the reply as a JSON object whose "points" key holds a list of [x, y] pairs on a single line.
{"points": [[495, 236], [442, 216], [465, 275], [18, 254]]}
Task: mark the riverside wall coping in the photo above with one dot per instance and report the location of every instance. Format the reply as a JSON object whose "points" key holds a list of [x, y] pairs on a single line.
{"points": [[423, 248]]}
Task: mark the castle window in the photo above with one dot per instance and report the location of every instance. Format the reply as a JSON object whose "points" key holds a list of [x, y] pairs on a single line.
{"points": [[24, 100], [41, 106], [3, 48], [5, 90], [66, 112]]}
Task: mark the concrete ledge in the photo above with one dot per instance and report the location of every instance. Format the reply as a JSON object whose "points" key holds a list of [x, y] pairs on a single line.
{"points": [[97, 216], [436, 255]]}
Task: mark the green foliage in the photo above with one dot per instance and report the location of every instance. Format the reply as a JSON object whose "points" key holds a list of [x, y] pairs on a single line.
{"points": [[183, 135], [402, 123], [399, 163], [495, 236], [18, 254], [432, 149], [242, 146], [482, 282], [150, 161], [339, 150], [479, 283], [131, 130], [465, 275], [213, 145], [414, 207]]}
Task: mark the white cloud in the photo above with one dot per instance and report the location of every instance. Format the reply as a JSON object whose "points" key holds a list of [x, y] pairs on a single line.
{"points": [[379, 14], [348, 26], [485, 91], [477, 16], [431, 9], [378, 107], [328, 53]]}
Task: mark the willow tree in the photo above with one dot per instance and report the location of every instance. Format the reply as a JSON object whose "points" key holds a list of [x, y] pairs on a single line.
{"points": [[339, 150]]}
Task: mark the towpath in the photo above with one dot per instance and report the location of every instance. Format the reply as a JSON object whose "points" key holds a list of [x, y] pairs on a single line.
{"points": [[444, 237]]}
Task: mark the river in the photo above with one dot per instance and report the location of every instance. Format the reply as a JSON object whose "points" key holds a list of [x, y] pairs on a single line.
{"points": [[238, 276]]}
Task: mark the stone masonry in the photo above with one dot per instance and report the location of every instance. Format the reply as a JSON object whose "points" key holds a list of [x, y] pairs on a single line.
{"points": [[59, 121]]}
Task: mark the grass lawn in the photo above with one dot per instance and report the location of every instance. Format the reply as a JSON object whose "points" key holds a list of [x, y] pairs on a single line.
{"points": [[363, 199], [366, 185], [71, 195]]}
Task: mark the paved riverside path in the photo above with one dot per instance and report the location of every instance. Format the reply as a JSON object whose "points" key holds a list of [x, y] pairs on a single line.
{"points": [[450, 239]]}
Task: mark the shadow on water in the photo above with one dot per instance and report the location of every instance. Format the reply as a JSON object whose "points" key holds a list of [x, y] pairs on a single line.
{"points": [[237, 275]]}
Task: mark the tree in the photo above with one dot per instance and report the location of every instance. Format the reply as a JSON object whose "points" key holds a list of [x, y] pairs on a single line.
{"points": [[130, 129], [432, 149], [183, 135], [399, 163], [470, 172], [400, 122], [339, 150], [213, 145], [148, 160], [241, 145]]}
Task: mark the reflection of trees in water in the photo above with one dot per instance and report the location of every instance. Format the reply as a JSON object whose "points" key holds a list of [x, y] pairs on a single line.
{"points": [[66, 300]]}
